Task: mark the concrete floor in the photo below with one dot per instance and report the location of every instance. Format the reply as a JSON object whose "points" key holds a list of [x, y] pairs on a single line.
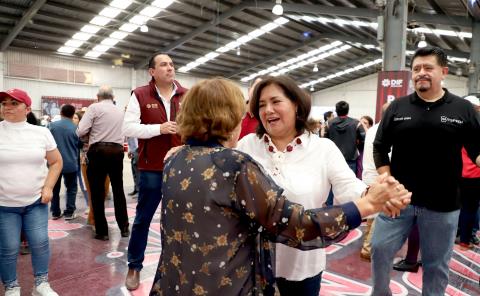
{"points": [[81, 265]]}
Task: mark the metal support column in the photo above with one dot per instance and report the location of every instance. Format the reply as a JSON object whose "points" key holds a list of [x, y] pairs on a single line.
{"points": [[395, 35], [474, 67]]}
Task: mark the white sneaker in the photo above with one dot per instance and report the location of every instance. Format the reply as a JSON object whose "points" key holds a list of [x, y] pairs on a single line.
{"points": [[43, 289], [13, 292]]}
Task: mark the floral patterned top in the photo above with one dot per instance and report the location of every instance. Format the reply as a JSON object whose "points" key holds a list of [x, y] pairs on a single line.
{"points": [[220, 210]]}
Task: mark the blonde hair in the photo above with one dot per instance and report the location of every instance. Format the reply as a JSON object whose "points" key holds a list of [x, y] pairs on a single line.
{"points": [[211, 110]]}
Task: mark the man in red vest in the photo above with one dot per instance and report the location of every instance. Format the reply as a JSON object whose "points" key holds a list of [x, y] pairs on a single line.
{"points": [[150, 117]]}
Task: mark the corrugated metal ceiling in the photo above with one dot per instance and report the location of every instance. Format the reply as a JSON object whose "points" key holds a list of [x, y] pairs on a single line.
{"points": [[189, 29]]}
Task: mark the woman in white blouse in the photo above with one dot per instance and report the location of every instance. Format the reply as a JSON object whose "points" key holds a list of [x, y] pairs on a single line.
{"points": [[25, 190], [302, 163]]}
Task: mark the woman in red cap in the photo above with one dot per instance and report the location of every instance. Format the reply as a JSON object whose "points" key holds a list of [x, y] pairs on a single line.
{"points": [[26, 189]]}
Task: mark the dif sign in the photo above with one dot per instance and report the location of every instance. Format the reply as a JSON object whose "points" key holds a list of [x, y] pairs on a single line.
{"points": [[391, 85]]}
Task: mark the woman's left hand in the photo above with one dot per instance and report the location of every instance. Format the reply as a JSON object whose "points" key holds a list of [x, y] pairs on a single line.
{"points": [[47, 194], [171, 152]]}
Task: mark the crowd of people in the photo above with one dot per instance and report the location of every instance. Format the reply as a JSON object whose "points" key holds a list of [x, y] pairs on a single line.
{"points": [[251, 194]]}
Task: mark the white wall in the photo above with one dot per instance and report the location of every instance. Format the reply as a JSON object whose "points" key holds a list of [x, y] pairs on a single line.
{"points": [[118, 78], [122, 79], [361, 94]]}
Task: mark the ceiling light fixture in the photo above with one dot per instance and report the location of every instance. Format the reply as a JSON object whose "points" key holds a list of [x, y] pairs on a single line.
{"points": [[118, 35], [344, 72], [93, 54], [278, 8], [235, 44], [315, 68], [162, 3], [422, 42], [122, 4], [144, 29], [300, 61], [66, 49], [74, 43], [312, 88]]}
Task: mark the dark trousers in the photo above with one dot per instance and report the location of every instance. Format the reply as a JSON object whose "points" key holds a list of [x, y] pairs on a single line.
{"points": [[106, 159], [307, 287], [470, 196], [70, 182], [413, 245], [149, 196]]}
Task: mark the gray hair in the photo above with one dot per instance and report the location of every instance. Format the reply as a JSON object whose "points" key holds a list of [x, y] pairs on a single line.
{"points": [[105, 92]]}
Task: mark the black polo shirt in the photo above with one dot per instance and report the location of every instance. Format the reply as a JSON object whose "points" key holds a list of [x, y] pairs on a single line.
{"points": [[426, 141]]}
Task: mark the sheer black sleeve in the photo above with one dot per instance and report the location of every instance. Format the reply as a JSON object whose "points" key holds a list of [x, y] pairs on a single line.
{"points": [[261, 200]]}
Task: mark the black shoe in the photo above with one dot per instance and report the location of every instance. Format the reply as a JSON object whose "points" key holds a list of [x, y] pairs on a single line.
{"points": [[133, 193], [70, 216], [101, 237], [403, 265], [56, 217], [125, 232], [475, 240]]}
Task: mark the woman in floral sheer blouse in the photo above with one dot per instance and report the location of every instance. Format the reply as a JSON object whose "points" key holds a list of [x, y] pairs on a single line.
{"points": [[220, 210]]}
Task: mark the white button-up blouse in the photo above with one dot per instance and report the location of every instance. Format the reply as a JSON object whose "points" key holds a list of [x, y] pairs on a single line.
{"points": [[306, 170]]}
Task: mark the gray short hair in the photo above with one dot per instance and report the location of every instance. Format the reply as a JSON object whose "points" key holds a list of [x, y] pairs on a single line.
{"points": [[105, 92]]}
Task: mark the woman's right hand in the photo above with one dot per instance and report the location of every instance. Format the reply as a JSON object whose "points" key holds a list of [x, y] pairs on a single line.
{"points": [[387, 195]]}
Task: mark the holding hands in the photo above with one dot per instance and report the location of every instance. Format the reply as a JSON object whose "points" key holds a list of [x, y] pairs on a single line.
{"points": [[386, 195]]}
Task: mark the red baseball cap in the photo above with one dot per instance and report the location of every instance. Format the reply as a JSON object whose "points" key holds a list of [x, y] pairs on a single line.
{"points": [[17, 95]]}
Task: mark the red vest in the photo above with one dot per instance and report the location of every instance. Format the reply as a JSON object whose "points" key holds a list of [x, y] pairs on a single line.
{"points": [[152, 111]]}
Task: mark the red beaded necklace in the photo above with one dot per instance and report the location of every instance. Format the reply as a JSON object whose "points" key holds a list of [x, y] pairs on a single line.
{"points": [[289, 148]]}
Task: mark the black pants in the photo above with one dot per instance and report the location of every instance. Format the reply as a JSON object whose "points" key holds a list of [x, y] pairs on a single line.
{"points": [[106, 159], [306, 287]]}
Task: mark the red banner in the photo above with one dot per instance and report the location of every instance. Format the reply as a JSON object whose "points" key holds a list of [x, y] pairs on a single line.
{"points": [[51, 105], [391, 85]]}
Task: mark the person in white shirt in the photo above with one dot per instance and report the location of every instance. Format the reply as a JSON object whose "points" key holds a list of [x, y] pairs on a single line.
{"points": [[369, 174], [150, 117], [304, 165], [25, 191]]}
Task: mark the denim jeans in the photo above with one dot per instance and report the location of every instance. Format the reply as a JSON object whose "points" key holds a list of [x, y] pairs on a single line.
{"points": [[437, 234], [149, 196], [33, 219], [307, 287], [70, 182]]}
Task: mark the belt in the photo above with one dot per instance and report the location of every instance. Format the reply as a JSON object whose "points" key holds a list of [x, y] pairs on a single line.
{"points": [[106, 144]]}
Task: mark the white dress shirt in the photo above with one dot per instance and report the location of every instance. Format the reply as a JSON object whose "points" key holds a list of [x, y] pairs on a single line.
{"points": [[102, 122], [369, 173], [131, 124], [306, 174]]}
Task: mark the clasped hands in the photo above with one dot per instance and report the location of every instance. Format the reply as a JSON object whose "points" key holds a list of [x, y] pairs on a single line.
{"points": [[386, 194]]}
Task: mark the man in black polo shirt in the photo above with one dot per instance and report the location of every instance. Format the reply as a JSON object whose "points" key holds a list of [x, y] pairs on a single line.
{"points": [[426, 131]]}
